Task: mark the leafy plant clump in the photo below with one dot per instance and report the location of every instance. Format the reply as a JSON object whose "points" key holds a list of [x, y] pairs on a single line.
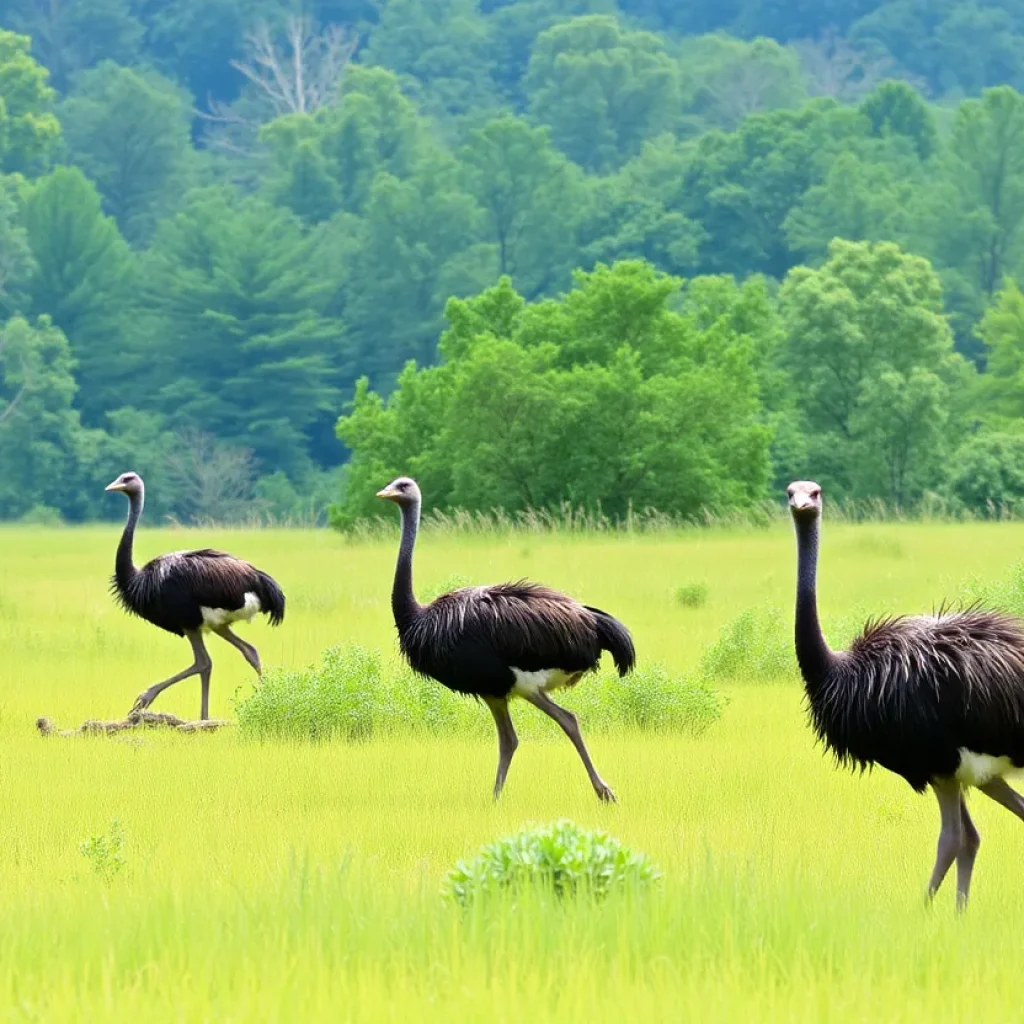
{"points": [[559, 857], [105, 852], [692, 595], [758, 647], [340, 697], [352, 695]]}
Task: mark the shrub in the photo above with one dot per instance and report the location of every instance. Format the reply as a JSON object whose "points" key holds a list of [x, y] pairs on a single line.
{"points": [[987, 472], [561, 858], [106, 852], [351, 696], [338, 698], [692, 595], [757, 646], [649, 699]]}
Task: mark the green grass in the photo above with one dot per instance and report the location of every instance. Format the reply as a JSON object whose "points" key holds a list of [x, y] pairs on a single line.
{"points": [[281, 881]]}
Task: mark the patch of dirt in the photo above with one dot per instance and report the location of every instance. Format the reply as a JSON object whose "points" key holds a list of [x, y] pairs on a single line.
{"points": [[135, 720]]}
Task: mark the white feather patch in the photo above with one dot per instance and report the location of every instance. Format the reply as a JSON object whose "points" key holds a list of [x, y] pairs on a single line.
{"points": [[529, 684], [977, 769], [216, 617]]}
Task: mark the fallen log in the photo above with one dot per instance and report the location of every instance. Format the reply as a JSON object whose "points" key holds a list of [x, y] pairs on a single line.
{"points": [[135, 720]]}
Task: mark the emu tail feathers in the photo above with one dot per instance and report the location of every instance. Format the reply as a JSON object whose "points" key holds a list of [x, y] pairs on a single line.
{"points": [[271, 598], [615, 639]]}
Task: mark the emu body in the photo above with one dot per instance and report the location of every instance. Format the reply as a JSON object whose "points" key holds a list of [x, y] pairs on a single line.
{"points": [[189, 593], [497, 642], [936, 699]]}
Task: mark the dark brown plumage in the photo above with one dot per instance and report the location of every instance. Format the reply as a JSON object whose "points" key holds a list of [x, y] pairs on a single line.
{"points": [[937, 699], [495, 642], [189, 592]]}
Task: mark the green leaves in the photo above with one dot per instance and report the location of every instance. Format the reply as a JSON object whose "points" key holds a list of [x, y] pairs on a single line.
{"points": [[872, 365], [560, 858], [129, 132], [606, 397], [29, 132]]}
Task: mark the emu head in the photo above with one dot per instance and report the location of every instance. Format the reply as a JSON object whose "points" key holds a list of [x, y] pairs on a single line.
{"points": [[130, 483], [402, 491], [804, 499]]}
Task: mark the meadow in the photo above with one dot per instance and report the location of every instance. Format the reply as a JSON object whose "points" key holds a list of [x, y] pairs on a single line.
{"points": [[285, 881]]}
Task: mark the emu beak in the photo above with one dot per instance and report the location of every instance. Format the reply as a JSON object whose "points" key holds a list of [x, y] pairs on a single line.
{"points": [[799, 502], [115, 486], [387, 493]]}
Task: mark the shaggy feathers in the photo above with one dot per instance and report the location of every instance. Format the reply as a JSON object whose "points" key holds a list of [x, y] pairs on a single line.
{"points": [[170, 590], [911, 692], [469, 639]]}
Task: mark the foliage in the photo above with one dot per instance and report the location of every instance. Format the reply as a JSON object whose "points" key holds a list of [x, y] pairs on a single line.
{"points": [[692, 595], [987, 472], [353, 695], [105, 851], [606, 397], [129, 132], [232, 251], [872, 367], [561, 858], [29, 131]]}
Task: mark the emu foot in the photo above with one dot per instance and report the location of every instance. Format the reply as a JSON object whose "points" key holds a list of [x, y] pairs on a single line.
{"points": [[604, 792]]}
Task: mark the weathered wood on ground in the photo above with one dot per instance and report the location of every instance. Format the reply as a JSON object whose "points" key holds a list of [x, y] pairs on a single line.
{"points": [[135, 720]]}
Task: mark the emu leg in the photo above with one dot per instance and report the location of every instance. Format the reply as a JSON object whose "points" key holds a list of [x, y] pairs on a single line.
{"points": [[1001, 791], [508, 741], [965, 858], [200, 667], [249, 652], [951, 836], [567, 720]]}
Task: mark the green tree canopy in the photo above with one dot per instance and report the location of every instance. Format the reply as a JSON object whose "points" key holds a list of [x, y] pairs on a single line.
{"points": [[872, 367], [602, 89], [606, 398], [129, 131], [29, 131]]}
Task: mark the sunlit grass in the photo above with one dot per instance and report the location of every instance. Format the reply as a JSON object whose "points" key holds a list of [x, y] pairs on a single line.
{"points": [[277, 881]]}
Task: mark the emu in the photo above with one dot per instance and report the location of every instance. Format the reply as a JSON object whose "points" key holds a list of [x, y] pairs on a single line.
{"points": [[188, 593], [939, 699], [496, 642]]}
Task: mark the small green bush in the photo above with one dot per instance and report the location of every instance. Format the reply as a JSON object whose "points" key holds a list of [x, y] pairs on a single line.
{"points": [[341, 697], [351, 696], [692, 595], [456, 581], [649, 699], [105, 852], [758, 646], [561, 858]]}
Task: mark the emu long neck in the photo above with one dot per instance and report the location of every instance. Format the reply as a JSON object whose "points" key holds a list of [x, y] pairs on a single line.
{"points": [[812, 652], [124, 567], [403, 601]]}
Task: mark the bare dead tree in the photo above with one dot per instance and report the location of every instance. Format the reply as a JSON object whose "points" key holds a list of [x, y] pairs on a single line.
{"points": [[835, 68], [21, 371], [213, 480], [296, 71]]}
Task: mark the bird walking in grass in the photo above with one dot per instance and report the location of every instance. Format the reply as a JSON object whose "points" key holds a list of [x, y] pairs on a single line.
{"points": [[937, 699], [497, 642], [189, 593]]}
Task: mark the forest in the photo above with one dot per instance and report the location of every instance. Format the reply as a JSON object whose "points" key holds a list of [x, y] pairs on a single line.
{"points": [[623, 254]]}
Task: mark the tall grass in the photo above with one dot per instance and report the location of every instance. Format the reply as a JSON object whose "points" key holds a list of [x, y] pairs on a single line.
{"points": [[281, 880]]}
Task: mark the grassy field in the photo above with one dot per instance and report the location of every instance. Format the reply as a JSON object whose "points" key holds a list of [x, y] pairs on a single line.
{"points": [[286, 882]]}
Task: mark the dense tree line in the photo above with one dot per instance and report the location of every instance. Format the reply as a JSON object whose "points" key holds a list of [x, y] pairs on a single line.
{"points": [[631, 253]]}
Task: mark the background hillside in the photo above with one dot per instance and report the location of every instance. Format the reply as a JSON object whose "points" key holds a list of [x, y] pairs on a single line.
{"points": [[642, 253]]}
